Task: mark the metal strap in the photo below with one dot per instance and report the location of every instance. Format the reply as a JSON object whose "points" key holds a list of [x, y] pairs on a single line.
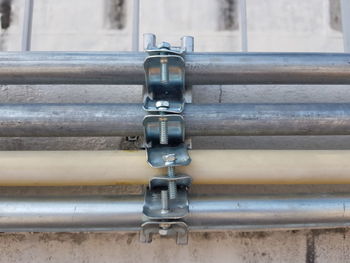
{"points": [[165, 95]]}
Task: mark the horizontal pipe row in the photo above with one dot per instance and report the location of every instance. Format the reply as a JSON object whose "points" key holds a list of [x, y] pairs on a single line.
{"points": [[200, 119], [206, 212], [56, 168], [201, 68]]}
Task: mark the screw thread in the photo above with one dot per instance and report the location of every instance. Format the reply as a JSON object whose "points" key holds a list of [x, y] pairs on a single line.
{"points": [[164, 199], [172, 185], [164, 71], [163, 126], [171, 171]]}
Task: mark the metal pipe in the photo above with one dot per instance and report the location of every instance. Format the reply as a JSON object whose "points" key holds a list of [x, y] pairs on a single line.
{"points": [[243, 25], [345, 17], [27, 25], [64, 168], [201, 119], [101, 213], [201, 68], [135, 26]]}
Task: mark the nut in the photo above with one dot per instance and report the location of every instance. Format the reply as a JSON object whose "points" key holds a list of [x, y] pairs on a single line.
{"points": [[162, 104], [163, 232], [164, 226], [169, 158], [164, 45]]}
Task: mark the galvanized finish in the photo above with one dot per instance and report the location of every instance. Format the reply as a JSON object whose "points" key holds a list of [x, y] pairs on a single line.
{"points": [[200, 120], [264, 211], [206, 212], [201, 68], [70, 213], [345, 19], [164, 134], [27, 25]]}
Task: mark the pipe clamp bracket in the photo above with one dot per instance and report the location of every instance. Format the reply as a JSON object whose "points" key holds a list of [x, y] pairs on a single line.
{"points": [[165, 96]]}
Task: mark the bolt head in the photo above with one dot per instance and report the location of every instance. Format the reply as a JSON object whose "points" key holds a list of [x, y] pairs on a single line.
{"points": [[169, 157], [163, 232], [165, 45], [162, 104], [164, 226], [164, 211]]}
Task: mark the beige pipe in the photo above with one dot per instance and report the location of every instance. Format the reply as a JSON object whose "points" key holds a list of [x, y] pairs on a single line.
{"points": [[31, 168]]}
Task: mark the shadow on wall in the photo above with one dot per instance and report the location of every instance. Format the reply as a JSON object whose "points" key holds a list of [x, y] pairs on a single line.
{"points": [[5, 20], [116, 14]]}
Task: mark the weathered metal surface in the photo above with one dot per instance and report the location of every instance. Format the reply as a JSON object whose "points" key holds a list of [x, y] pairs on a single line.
{"points": [[31, 120], [201, 68]]}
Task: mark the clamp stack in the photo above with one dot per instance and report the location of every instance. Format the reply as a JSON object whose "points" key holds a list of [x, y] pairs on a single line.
{"points": [[165, 96]]}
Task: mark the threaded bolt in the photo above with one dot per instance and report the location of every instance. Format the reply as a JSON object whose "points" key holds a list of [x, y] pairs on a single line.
{"points": [[164, 75], [172, 187], [165, 203], [162, 105], [163, 131]]}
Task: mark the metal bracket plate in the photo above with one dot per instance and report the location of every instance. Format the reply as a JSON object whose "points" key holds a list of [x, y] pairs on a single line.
{"points": [[165, 95], [175, 128], [156, 160], [170, 228], [165, 79], [175, 106], [177, 208]]}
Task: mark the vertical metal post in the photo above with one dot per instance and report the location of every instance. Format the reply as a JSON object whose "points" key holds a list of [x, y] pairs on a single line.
{"points": [[345, 15], [27, 25], [187, 43], [243, 24], [136, 25]]}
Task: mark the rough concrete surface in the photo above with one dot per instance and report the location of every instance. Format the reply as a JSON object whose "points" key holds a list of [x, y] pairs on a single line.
{"points": [[104, 25]]}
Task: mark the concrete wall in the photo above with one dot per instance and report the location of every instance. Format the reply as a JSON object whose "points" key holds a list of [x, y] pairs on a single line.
{"points": [[101, 25]]}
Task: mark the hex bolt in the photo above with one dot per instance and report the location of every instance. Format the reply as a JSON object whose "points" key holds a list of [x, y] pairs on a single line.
{"points": [[164, 229], [163, 124], [165, 203], [162, 104], [164, 74], [172, 187], [164, 45]]}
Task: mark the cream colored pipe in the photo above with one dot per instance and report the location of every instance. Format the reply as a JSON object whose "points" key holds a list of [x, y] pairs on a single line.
{"points": [[30, 168]]}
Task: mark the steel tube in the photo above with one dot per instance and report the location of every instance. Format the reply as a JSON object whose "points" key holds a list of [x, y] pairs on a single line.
{"points": [[243, 25], [345, 17], [201, 68], [201, 119], [259, 212], [101, 213], [135, 37], [27, 25]]}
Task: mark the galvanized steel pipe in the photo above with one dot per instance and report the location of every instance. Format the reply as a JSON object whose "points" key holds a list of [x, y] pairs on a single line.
{"points": [[201, 68], [99, 213], [201, 120]]}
